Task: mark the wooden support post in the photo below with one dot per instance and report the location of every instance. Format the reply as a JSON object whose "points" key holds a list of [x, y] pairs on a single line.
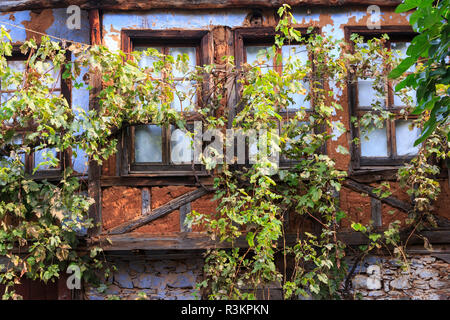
{"points": [[94, 188], [146, 201], [184, 210]]}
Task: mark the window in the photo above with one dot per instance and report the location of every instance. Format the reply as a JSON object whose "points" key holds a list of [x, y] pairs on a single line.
{"points": [[40, 157], [394, 143], [250, 42], [166, 150]]}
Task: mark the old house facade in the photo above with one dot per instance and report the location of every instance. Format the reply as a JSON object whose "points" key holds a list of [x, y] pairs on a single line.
{"points": [[142, 198]]}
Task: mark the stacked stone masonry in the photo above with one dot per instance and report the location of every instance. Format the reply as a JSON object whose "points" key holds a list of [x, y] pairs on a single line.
{"points": [[381, 278], [153, 279], [375, 278]]}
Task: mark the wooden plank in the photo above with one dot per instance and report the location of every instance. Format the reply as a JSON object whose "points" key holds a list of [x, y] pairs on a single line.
{"points": [[434, 237], [146, 201], [157, 180], [159, 212], [17, 5], [392, 201], [175, 241], [375, 205], [200, 241]]}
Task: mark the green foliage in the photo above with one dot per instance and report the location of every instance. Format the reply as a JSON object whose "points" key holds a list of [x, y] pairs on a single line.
{"points": [[430, 49], [41, 219]]}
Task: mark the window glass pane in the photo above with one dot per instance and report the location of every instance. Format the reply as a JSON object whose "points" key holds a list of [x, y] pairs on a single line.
{"points": [[293, 140], [187, 96], [376, 146], [5, 96], [191, 52], [51, 75], [399, 51], [146, 61], [378, 61], [253, 56], [17, 141], [298, 53], [405, 138], [180, 146], [398, 101], [44, 155], [299, 99], [80, 162], [367, 95], [148, 143], [17, 66]]}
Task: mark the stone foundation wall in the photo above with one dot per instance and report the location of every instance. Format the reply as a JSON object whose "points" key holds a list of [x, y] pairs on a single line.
{"points": [[379, 278], [376, 278], [172, 279]]}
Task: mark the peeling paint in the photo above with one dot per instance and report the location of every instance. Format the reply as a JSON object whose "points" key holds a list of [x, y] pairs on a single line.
{"points": [[50, 21], [113, 22], [337, 130], [53, 23]]}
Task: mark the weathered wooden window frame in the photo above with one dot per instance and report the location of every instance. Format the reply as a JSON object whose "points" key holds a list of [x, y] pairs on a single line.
{"points": [[65, 157], [396, 34], [266, 36], [201, 39]]}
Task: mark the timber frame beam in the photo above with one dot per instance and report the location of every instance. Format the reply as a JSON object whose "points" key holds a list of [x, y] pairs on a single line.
{"points": [[159, 212], [201, 241], [392, 201], [18, 5]]}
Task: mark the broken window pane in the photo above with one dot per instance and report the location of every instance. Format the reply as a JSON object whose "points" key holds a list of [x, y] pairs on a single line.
{"points": [[367, 95], [148, 143], [180, 146], [376, 146], [405, 138]]}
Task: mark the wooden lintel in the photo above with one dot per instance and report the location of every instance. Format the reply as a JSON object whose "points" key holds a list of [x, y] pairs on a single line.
{"points": [[18, 5], [156, 180], [392, 201], [159, 212]]}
